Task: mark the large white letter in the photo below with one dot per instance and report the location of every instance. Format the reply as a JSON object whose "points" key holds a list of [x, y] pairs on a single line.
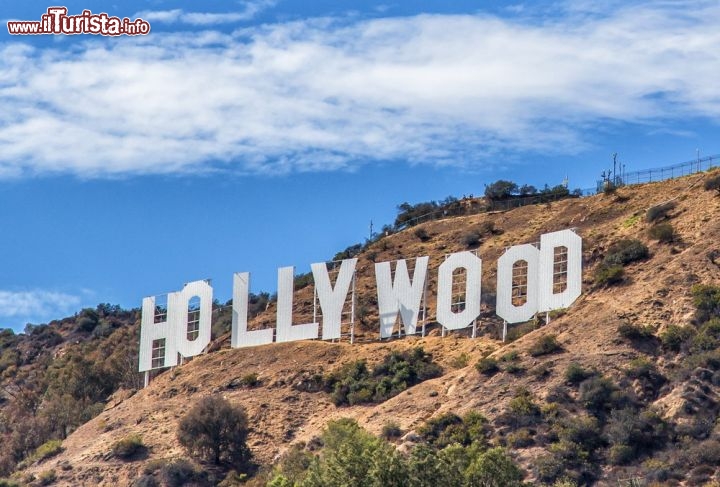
{"points": [[151, 331], [547, 300], [286, 331], [178, 317], [332, 300], [505, 307], [241, 337], [473, 271], [400, 295]]}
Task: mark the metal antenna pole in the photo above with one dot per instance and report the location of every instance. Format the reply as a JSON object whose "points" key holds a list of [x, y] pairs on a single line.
{"points": [[614, 167]]}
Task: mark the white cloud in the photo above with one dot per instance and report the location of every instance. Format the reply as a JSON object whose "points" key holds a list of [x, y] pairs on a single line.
{"points": [[36, 304], [324, 94], [204, 18]]}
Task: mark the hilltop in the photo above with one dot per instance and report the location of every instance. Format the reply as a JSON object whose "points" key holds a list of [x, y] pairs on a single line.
{"points": [[614, 337]]}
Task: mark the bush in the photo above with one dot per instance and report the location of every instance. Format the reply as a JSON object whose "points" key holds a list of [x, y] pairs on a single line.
{"points": [[487, 366], [47, 477], [128, 447], [354, 383], [522, 410], [626, 251], [391, 431], [471, 239], [609, 275], [145, 481], [640, 368], [575, 373], [449, 428], [635, 332], [662, 232], [581, 430], [520, 438], [597, 394], [545, 345], [494, 468], [178, 473], [47, 450], [659, 212], [633, 432], [621, 454], [674, 336], [216, 431], [461, 361], [713, 183], [250, 380], [422, 234], [707, 301]]}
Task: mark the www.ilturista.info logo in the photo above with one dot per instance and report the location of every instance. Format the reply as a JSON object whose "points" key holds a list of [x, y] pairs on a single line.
{"points": [[57, 21]]}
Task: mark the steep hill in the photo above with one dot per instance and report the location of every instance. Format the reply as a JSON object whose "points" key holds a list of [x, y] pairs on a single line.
{"points": [[612, 333]]}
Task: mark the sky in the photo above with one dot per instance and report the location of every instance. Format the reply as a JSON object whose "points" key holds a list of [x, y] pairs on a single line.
{"points": [[248, 135]]}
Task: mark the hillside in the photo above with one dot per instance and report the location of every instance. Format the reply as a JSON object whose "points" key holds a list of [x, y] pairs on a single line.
{"points": [[612, 333]]}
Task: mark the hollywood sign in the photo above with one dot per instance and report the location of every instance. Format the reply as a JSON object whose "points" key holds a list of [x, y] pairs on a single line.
{"points": [[559, 255]]}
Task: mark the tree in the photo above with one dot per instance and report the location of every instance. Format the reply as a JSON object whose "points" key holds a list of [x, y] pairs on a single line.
{"points": [[493, 468], [216, 431], [500, 190]]}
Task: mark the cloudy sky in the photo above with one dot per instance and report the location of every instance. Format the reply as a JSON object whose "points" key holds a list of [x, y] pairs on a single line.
{"points": [[243, 136]]}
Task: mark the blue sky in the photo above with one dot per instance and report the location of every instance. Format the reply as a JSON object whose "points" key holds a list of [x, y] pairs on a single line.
{"points": [[244, 136]]}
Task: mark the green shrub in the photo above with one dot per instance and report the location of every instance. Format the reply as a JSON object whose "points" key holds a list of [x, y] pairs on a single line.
{"points": [[575, 373], [707, 301], [636, 332], [545, 345], [609, 275], [674, 336], [128, 447], [522, 410], [460, 361], [216, 430], [514, 368], [626, 251], [511, 356], [708, 337], [354, 383], [520, 438], [47, 450], [487, 366], [303, 280], [642, 431], [47, 477], [391, 431], [713, 183], [659, 212], [494, 468], [621, 454], [583, 431], [178, 473], [662, 232], [597, 394], [449, 428], [641, 367]]}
